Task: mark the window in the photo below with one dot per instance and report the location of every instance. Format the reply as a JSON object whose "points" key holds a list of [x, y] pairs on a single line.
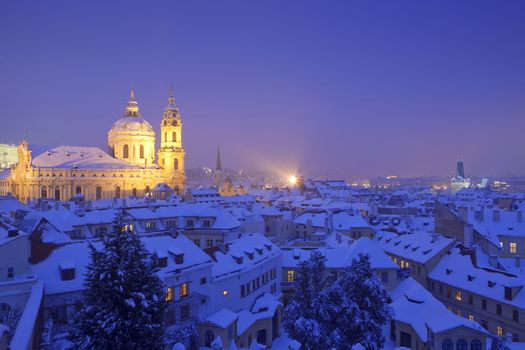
{"points": [[447, 345], [175, 164], [183, 290], [163, 262], [515, 338], [208, 338], [174, 136], [169, 294], [243, 291], [10, 272], [203, 280], [515, 315], [406, 340], [125, 151], [449, 292], [384, 276], [512, 247], [184, 312], [141, 151], [499, 331], [498, 309], [150, 225], [461, 344], [179, 259], [290, 275], [117, 192], [57, 194], [470, 299], [147, 190], [475, 345], [78, 190], [67, 274], [484, 304], [43, 193], [98, 192], [458, 295], [206, 223], [190, 223], [134, 192], [165, 137], [209, 242], [485, 324], [508, 293], [197, 242], [440, 289], [471, 317]]}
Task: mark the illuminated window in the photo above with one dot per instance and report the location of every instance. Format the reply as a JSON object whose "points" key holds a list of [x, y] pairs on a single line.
{"points": [[458, 312], [169, 294], [290, 276], [98, 192], [395, 260], [117, 192], [471, 317], [141, 151], [225, 292], [512, 247], [174, 137], [499, 331], [501, 244], [458, 295], [175, 164], [183, 290]]}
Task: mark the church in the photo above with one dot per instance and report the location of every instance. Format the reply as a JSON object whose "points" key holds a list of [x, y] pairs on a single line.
{"points": [[131, 168]]}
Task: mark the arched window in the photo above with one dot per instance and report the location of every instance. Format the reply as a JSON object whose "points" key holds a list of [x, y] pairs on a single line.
{"points": [[208, 338], [175, 164], [447, 345], [117, 192], [174, 136], [475, 345], [57, 194], [78, 190], [134, 192], [125, 151], [43, 193], [147, 190], [461, 344], [141, 152], [165, 137], [98, 192]]}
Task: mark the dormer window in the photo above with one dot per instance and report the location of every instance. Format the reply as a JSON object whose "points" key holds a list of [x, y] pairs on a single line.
{"points": [[470, 277], [259, 251], [449, 271], [179, 259], [508, 293], [206, 223], [190, 223], [238, 259], [163, 261], [67, 270], [491, 284], [268, 246], [250, 255]]}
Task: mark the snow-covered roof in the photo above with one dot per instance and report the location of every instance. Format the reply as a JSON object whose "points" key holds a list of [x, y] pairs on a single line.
{"points": [[341, 257], [414, 305], [77, 255], [341, 221], [243, 253], [222, 318], [75, 157], [456, 269], [419, 246]]}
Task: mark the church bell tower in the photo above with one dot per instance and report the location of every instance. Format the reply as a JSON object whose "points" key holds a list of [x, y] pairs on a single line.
{"points": [[171, 154]]}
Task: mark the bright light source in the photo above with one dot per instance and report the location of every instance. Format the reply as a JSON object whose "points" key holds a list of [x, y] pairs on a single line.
{"points": [[225, 292], [292, 180]]}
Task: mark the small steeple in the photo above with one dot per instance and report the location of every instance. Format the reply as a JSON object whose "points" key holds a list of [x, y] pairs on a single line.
{"points": [[132, 108], [171, 99], [218, 166]]}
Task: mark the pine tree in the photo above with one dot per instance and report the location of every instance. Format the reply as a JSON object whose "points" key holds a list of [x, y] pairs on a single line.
{"points": [[357, 307], [304, 315], [124, 299]]}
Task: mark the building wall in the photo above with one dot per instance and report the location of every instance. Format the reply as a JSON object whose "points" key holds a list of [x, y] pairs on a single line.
{"points": [[15, 255], [8, 155]]}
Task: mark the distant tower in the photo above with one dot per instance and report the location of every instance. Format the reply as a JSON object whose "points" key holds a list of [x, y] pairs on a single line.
{"points": [[218, 174], [171, 154], [460, 180], [132, 138]]}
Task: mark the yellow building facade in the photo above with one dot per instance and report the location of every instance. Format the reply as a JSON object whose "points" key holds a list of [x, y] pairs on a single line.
{"points": [[129, 169]]}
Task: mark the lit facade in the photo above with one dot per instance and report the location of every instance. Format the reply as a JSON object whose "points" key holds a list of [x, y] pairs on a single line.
{"points": [[128, 170]]}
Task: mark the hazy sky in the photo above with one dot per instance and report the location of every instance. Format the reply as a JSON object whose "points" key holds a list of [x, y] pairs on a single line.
{"points": [[364, 88]]}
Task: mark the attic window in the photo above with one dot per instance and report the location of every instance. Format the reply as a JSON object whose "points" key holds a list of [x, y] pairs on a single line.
{"points": [[407, 245], [491, 284], [268, 246], [163, 261], [396, 243], [82, 154], [67, 270], [179, 259], [388, 240], [250, 255], [415, 248], [259, 251], [470, 277], [238, 259], [449, 271]]}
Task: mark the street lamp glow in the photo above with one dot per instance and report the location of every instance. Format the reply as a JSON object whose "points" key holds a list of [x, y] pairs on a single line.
{"points": [[292, 180]]}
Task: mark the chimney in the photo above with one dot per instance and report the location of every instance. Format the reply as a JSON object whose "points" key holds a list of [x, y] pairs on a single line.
{"points": [[519, 214], [495, 215], [468, 235]]}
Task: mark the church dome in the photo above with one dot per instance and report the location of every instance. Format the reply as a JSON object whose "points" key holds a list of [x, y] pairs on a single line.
{"points": [[131, 121]]}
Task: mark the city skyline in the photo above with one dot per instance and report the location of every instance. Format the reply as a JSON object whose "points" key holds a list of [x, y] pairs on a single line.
{"points": [[278, 86]]}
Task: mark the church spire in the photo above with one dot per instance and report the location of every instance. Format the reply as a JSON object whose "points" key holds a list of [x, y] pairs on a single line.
{"points": [[171, 99], [218, 166], [132, 108]]}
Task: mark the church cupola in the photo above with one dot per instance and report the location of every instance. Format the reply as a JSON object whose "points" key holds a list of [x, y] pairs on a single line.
{"points": [[132, 108]]}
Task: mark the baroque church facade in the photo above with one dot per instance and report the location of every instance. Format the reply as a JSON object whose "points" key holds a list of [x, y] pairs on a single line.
{"points": [[129, 169]]}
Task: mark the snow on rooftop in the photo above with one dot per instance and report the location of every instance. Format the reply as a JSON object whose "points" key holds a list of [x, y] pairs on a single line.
{"points": [[222, 318], [73, 157]]}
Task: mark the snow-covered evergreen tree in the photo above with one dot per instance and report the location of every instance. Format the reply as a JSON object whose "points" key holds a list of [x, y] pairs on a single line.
{"points": [[357, 307], [304, 316], [124, 299]]}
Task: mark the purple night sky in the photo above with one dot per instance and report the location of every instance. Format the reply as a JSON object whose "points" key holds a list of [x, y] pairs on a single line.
{"points": [[365, 88]]}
